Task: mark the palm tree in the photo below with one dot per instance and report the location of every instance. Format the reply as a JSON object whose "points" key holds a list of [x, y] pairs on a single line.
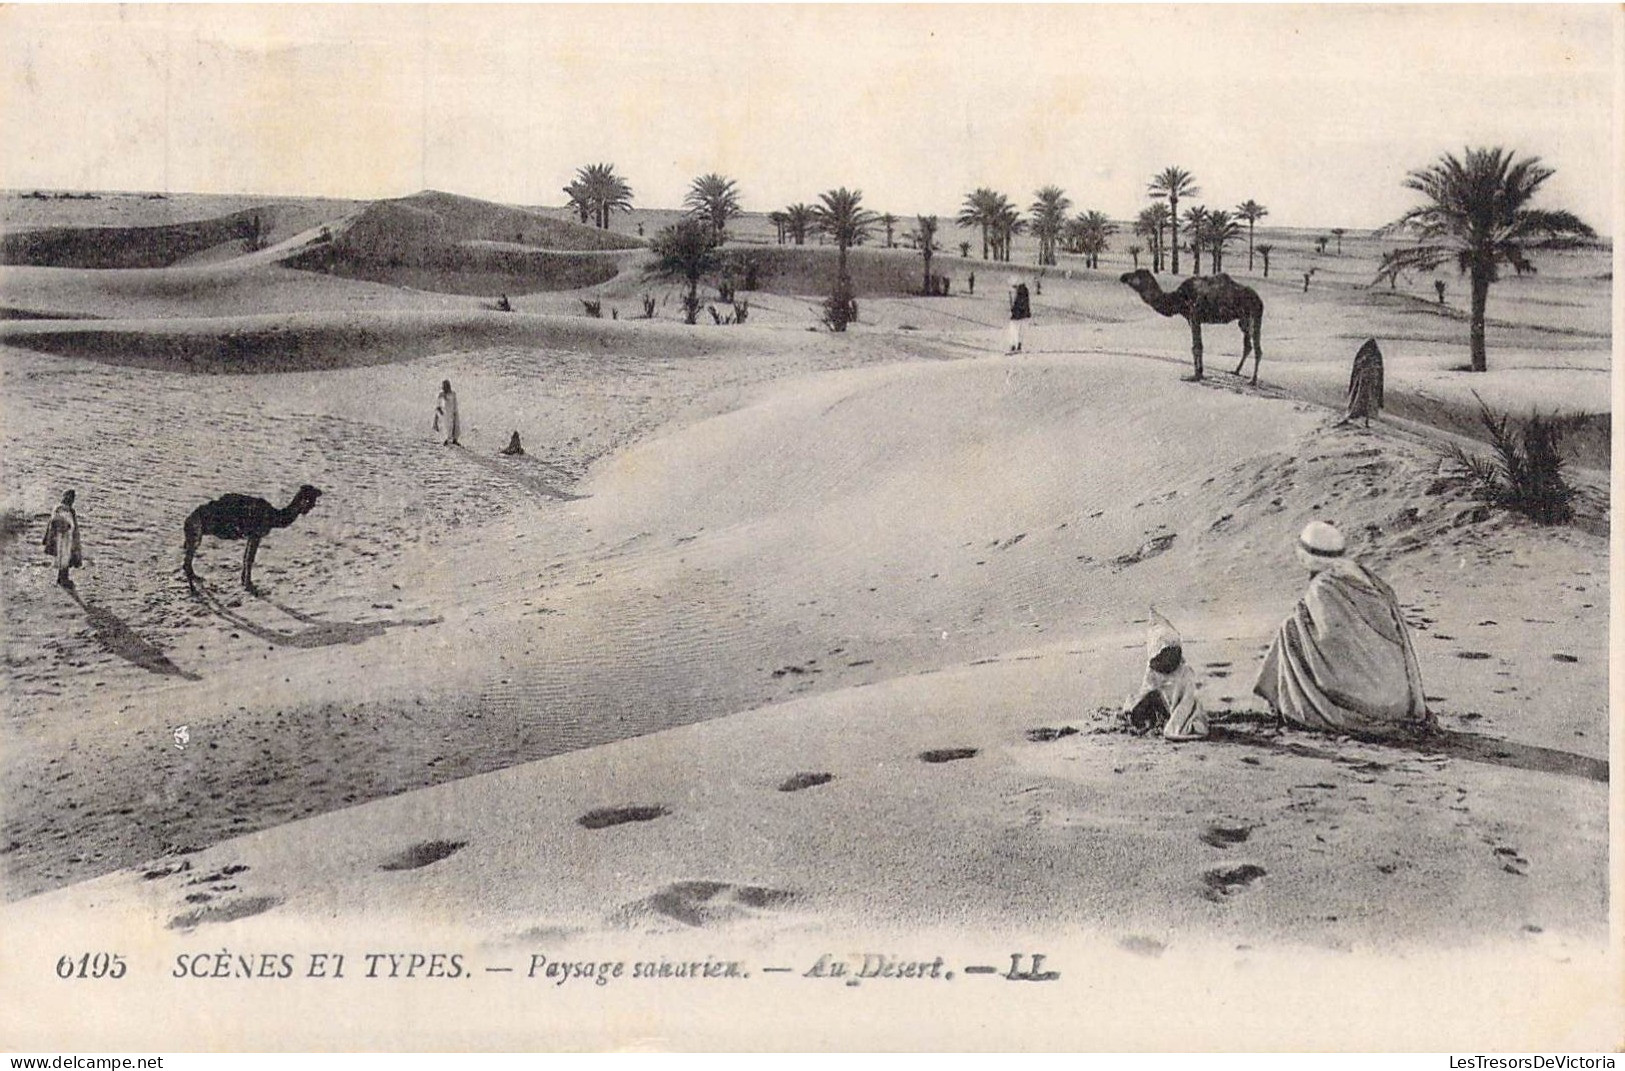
{"points": [[927, 234], [580, 199], [1149, 224], [1221, 231], [1049, 216], [798, 221], [980, 210], [1339, 232], [1252, 212], [1173, 183], [1195, 222], [781, 222], [687, 248], [1477, 213], [841, 215], [603, 191], [1264, 250], [1006, 224], [888, 221], [1094, 231], [1320, 242], [713, 199]]}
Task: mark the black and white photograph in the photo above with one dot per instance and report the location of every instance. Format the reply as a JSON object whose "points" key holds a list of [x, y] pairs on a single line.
{"points": [[807, 527]]}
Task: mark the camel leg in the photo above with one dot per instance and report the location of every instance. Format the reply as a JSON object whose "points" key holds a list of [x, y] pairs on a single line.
{"points": [[1196, 348], [194, 536], [248, 562]]}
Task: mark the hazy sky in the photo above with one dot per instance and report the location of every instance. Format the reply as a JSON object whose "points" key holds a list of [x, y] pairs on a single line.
{"points": [[1316, 112]]}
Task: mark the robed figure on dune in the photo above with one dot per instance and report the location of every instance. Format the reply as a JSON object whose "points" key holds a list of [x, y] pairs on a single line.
{"points": [[1342, 662], [62, 539]]}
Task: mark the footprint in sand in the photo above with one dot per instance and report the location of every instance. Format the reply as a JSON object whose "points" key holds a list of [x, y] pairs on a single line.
{"points": [[797, 782], [1223, 881], [702, 903], [604, 817], [1223, 834], [1142, 946], [1560, 657], [224, 912], [1511, 861], [1047, 735], [1474, 656], [421, 855], [947, 754]]}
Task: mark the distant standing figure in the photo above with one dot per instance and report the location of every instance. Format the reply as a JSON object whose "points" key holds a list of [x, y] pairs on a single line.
{"points": [[1021, 310], [1306, 276], [1365, 384], [513, 449], [970, 284], [445, 414], [62, 539], [1342, 662]]}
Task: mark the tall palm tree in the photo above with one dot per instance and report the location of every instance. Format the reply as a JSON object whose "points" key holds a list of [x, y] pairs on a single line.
{"points": [[1477, 213], [841, 215], [927, 234], [1006, 224], [888, 221], [1173, 183], [1251, 211], [1049, 215], [1195, 225], [713, 199], [1338, 232], [1222, 229], [980, 210], [604, 191], [687, 248], [781, 222], [798, 221]]}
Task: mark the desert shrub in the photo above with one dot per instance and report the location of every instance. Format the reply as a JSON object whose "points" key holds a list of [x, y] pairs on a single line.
{"points": [[648, 306], [841, 307], [595, 309], [1525, 474], [741, 310], [964, 249], [725, 289], [691, 308]]}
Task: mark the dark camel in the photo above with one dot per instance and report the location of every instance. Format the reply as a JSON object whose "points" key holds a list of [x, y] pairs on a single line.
{"points": [[236, 516], [1215, 299]]}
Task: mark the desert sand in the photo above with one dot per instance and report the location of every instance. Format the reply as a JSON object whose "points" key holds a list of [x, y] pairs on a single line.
{"points": [[775, 636]]}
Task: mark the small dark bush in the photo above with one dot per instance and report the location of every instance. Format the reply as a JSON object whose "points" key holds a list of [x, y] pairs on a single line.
{"points": [[841, 307], [1526, 473], [595, 309]]}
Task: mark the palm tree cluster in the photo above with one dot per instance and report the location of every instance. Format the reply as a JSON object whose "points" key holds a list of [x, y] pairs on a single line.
{"points": [[1172, 183], [687, 249], [1089, 234], [1150, 225], [1049, 220], [1477, 214], [998, 220], [596, 191]]}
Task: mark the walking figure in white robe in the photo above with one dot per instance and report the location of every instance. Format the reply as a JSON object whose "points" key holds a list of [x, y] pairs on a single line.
{"points": [[445, 414], [62, 540]]}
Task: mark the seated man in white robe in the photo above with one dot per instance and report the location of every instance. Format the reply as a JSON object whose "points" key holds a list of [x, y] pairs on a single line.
{"points": [[1168, 693], [1343, 661]]}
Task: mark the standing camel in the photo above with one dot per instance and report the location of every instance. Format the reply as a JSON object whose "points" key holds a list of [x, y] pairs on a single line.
{"points": [[234, 516], [1214, 299]]}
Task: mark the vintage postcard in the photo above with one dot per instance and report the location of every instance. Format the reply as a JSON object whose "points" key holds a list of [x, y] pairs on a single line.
{"points": [[807, 527]]}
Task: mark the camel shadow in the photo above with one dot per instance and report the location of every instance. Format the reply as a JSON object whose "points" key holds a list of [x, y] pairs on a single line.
{"points": [[1470, 747], [318, 633], [116, 637]]}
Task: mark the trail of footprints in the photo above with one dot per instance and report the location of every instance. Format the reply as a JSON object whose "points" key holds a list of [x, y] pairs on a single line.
{"points": [[695, 903]]}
